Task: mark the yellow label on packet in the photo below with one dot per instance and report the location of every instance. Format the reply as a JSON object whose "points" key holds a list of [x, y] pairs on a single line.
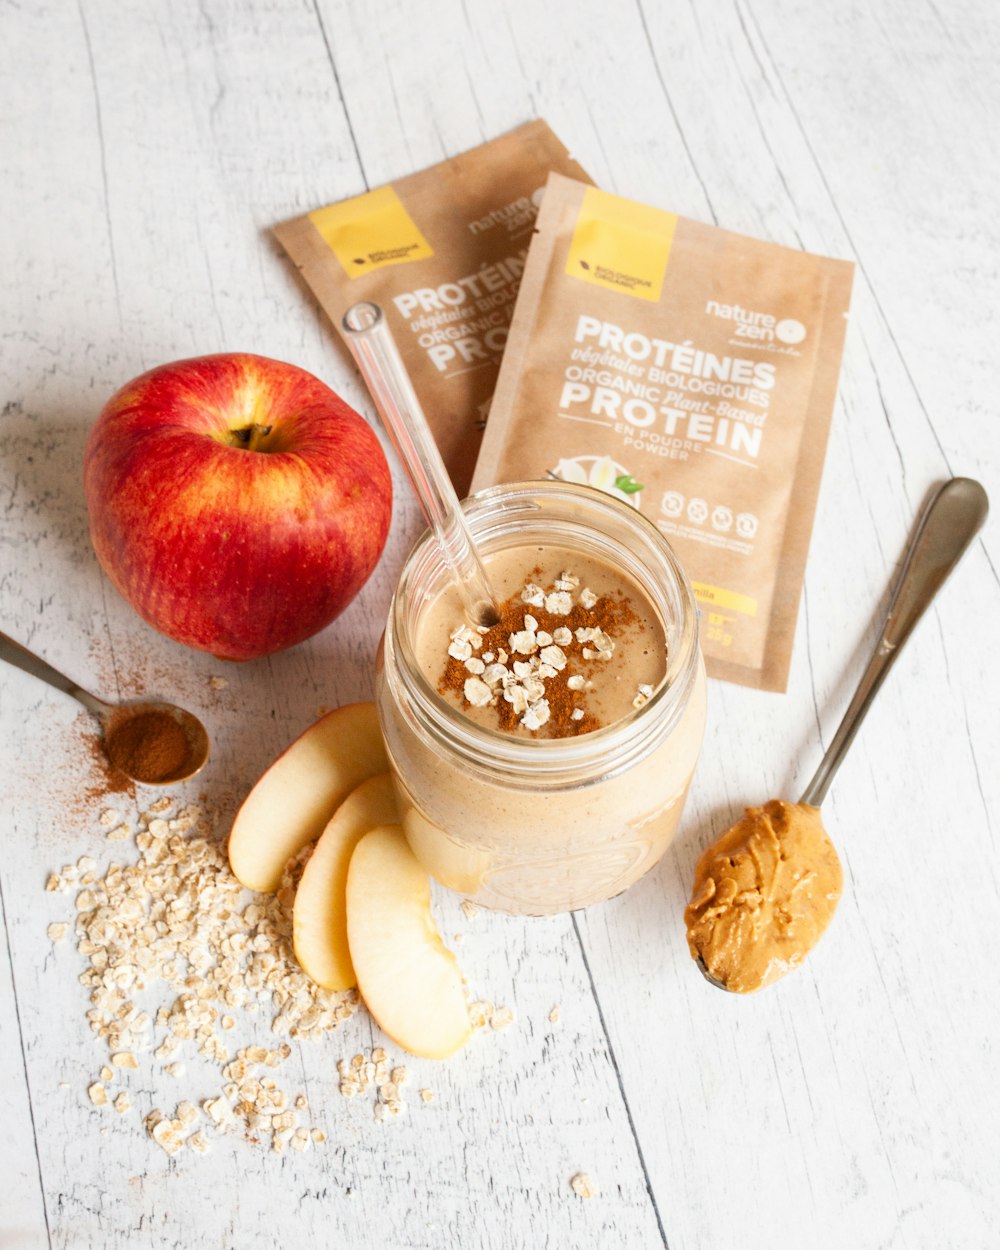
{"points": [[722, 598], [370, 231], [621, 245]]}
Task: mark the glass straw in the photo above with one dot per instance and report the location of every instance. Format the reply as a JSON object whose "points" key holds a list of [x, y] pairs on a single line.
{"points": [[373, 347]]}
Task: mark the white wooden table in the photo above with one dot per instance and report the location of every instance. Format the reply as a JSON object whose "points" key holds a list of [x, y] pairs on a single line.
{"points": [[146, 148]]}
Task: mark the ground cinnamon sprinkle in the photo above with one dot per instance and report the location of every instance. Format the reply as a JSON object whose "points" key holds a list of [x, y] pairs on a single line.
{"points": [[567, 717], [148, 745]]}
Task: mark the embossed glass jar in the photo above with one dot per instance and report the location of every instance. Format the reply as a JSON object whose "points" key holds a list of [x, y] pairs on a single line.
{"points": [[537, 826]]}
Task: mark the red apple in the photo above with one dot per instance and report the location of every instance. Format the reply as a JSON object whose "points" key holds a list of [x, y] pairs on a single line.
{"points": [[236, 502]]}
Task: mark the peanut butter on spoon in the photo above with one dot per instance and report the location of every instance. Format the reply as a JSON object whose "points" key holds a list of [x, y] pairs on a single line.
{"points": [[763, 895], [766, 890]]}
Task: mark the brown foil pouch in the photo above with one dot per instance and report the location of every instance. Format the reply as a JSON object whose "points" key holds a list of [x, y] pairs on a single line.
{"points": [[691, 372], [442, 252]]}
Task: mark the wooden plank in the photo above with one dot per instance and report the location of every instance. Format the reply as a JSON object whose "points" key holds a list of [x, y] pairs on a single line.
{"points": [[24, 1221]]}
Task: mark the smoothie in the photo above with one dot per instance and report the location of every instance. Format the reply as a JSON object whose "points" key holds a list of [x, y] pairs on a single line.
{"points": [[542, 764]]}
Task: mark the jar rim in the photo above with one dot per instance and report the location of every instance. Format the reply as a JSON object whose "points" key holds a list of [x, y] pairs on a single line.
{"points": [[636, 731]]}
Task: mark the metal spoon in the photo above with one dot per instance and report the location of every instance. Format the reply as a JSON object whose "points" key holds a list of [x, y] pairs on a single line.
{"points": [[951, 519], [112, 716]]}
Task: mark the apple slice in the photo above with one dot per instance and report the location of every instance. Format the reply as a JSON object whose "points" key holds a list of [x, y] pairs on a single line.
{"points": [[410, 981], [320, 913], [298, 794]]}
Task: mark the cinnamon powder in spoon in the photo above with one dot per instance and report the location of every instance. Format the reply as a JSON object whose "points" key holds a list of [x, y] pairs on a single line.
{"points": [[146, 744]]}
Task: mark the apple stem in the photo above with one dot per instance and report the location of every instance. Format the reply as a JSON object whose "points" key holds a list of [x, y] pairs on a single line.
{"points": [[251, 436]]}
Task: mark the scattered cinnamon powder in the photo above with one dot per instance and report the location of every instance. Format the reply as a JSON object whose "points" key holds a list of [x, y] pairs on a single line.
{"points": [[147, 744]]}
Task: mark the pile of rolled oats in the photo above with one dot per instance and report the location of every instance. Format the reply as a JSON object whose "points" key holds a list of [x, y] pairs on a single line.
{"points": [[177, 918]]}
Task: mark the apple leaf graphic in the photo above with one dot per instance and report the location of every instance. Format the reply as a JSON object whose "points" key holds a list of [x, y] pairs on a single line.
{"points": [[628, 484], [584, 265]]}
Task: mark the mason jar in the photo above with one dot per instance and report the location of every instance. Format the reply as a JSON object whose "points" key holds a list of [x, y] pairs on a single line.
{"points": [[542, 825]]}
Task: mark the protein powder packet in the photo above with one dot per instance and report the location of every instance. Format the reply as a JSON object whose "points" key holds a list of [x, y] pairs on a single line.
{"points": [[442, 252], [691, 372]]}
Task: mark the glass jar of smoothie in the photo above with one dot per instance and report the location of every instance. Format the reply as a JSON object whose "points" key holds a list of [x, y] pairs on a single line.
{"points": [[505, 813]]}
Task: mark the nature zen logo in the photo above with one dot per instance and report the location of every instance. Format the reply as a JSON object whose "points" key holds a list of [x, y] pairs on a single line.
{"points": [[759, 326]]}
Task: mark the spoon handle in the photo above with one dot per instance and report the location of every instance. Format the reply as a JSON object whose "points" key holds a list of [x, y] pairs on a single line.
{"points": [[20, 657], [950, 521]]}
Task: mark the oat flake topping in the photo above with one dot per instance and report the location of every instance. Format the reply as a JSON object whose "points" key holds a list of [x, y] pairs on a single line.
{"points": [[530, 664]]}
